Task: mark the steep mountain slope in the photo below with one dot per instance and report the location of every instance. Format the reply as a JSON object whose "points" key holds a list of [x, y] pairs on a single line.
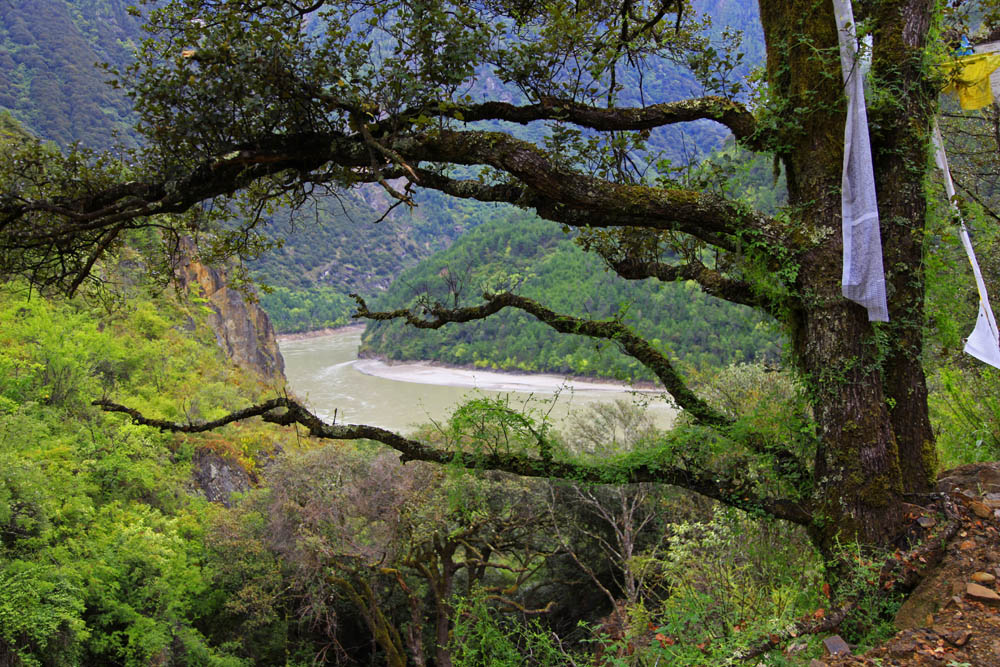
{"points": [[48, 49], [49, 83], [337, 246]]}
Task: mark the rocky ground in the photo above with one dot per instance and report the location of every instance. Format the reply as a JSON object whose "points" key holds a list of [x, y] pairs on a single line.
{"points": [[952, 618]]}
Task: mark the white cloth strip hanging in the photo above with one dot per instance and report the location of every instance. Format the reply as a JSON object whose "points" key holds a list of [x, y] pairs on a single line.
{"points": [[863, 279], [984, 342]]}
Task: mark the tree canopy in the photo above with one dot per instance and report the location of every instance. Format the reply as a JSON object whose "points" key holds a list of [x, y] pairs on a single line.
{"points": [[248, 105]]}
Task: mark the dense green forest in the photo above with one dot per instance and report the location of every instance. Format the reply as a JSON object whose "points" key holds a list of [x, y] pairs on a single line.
{"points": [[339, 245], [48, 84], [111, 553], [51, 84], [49, 79], [102, 551], [545, 264]]}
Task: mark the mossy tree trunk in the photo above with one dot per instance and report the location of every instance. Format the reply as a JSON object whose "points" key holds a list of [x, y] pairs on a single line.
{"points": [[901, 134], [868, 387]]}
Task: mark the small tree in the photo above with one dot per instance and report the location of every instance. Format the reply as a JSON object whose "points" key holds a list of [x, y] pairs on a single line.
{"points": [[394, 542]]}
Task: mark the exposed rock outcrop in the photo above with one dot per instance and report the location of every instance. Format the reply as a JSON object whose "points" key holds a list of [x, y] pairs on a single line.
{"points": [[242, 328], [219, 478], [953, 616]]}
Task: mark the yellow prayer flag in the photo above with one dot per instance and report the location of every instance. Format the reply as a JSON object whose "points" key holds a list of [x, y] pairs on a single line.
{"points": [[969, 78]]}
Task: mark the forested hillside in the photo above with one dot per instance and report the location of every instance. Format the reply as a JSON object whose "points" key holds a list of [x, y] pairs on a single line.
{"points": [[545, 264], [339, 245], [49, 50], [51, 83], [102, 551], [321, 263], [48, 83], [112, 554]]}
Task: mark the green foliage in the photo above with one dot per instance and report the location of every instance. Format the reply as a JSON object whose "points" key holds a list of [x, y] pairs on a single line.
{"points": [[103, 556], [493, 427], [871, 620], [48, 75], [41, 608], [737, 174], [732, 580], [483, 636], [101, 541], [962, 400], [966, 411], [106, 558], [296, 310], [546, 265], [10, 128], [770, 407]]}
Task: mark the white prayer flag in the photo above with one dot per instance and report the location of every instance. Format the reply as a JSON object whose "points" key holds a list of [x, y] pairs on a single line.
{"points": [[984, 342], [863, 279]]}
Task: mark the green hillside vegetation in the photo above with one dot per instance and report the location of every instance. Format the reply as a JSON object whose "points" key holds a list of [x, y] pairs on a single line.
{"points": [[548, 266], [109, 555], [337, 246], [49, 50], [325, 256], [102, 558], [49, 83]]}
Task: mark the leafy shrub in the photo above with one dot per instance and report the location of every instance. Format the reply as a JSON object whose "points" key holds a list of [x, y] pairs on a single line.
{"points": [[965, 408], [482, 636], [732, 580], [101, 539]]}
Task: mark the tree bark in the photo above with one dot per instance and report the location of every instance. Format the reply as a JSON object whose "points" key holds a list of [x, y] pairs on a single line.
{"points": [[900, 154], [858, 478]]}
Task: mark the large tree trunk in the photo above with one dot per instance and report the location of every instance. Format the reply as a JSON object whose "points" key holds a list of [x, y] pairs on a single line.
{"points": [[859, 477], [900, 151]]}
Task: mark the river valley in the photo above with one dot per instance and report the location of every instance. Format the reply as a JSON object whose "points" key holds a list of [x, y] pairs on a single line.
{"points": [[326, 373]]}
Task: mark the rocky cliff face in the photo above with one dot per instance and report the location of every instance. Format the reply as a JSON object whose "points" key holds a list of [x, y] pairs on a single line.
{"points": [[242, 328], [219, 478]]}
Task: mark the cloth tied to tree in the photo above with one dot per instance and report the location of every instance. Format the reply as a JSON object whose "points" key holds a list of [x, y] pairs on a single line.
{"points": [[863, 279], [984, 342], [969, 78]]}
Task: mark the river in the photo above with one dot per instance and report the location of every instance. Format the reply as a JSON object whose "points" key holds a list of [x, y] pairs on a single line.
{"points": [[326, 373]]}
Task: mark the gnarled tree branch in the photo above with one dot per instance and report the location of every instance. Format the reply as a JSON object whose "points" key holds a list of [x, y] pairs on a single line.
{"points": [[727, 112], [47, 226], [710, 280], [612, 330], [436, 316], [286, 411], [562, 194]]}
